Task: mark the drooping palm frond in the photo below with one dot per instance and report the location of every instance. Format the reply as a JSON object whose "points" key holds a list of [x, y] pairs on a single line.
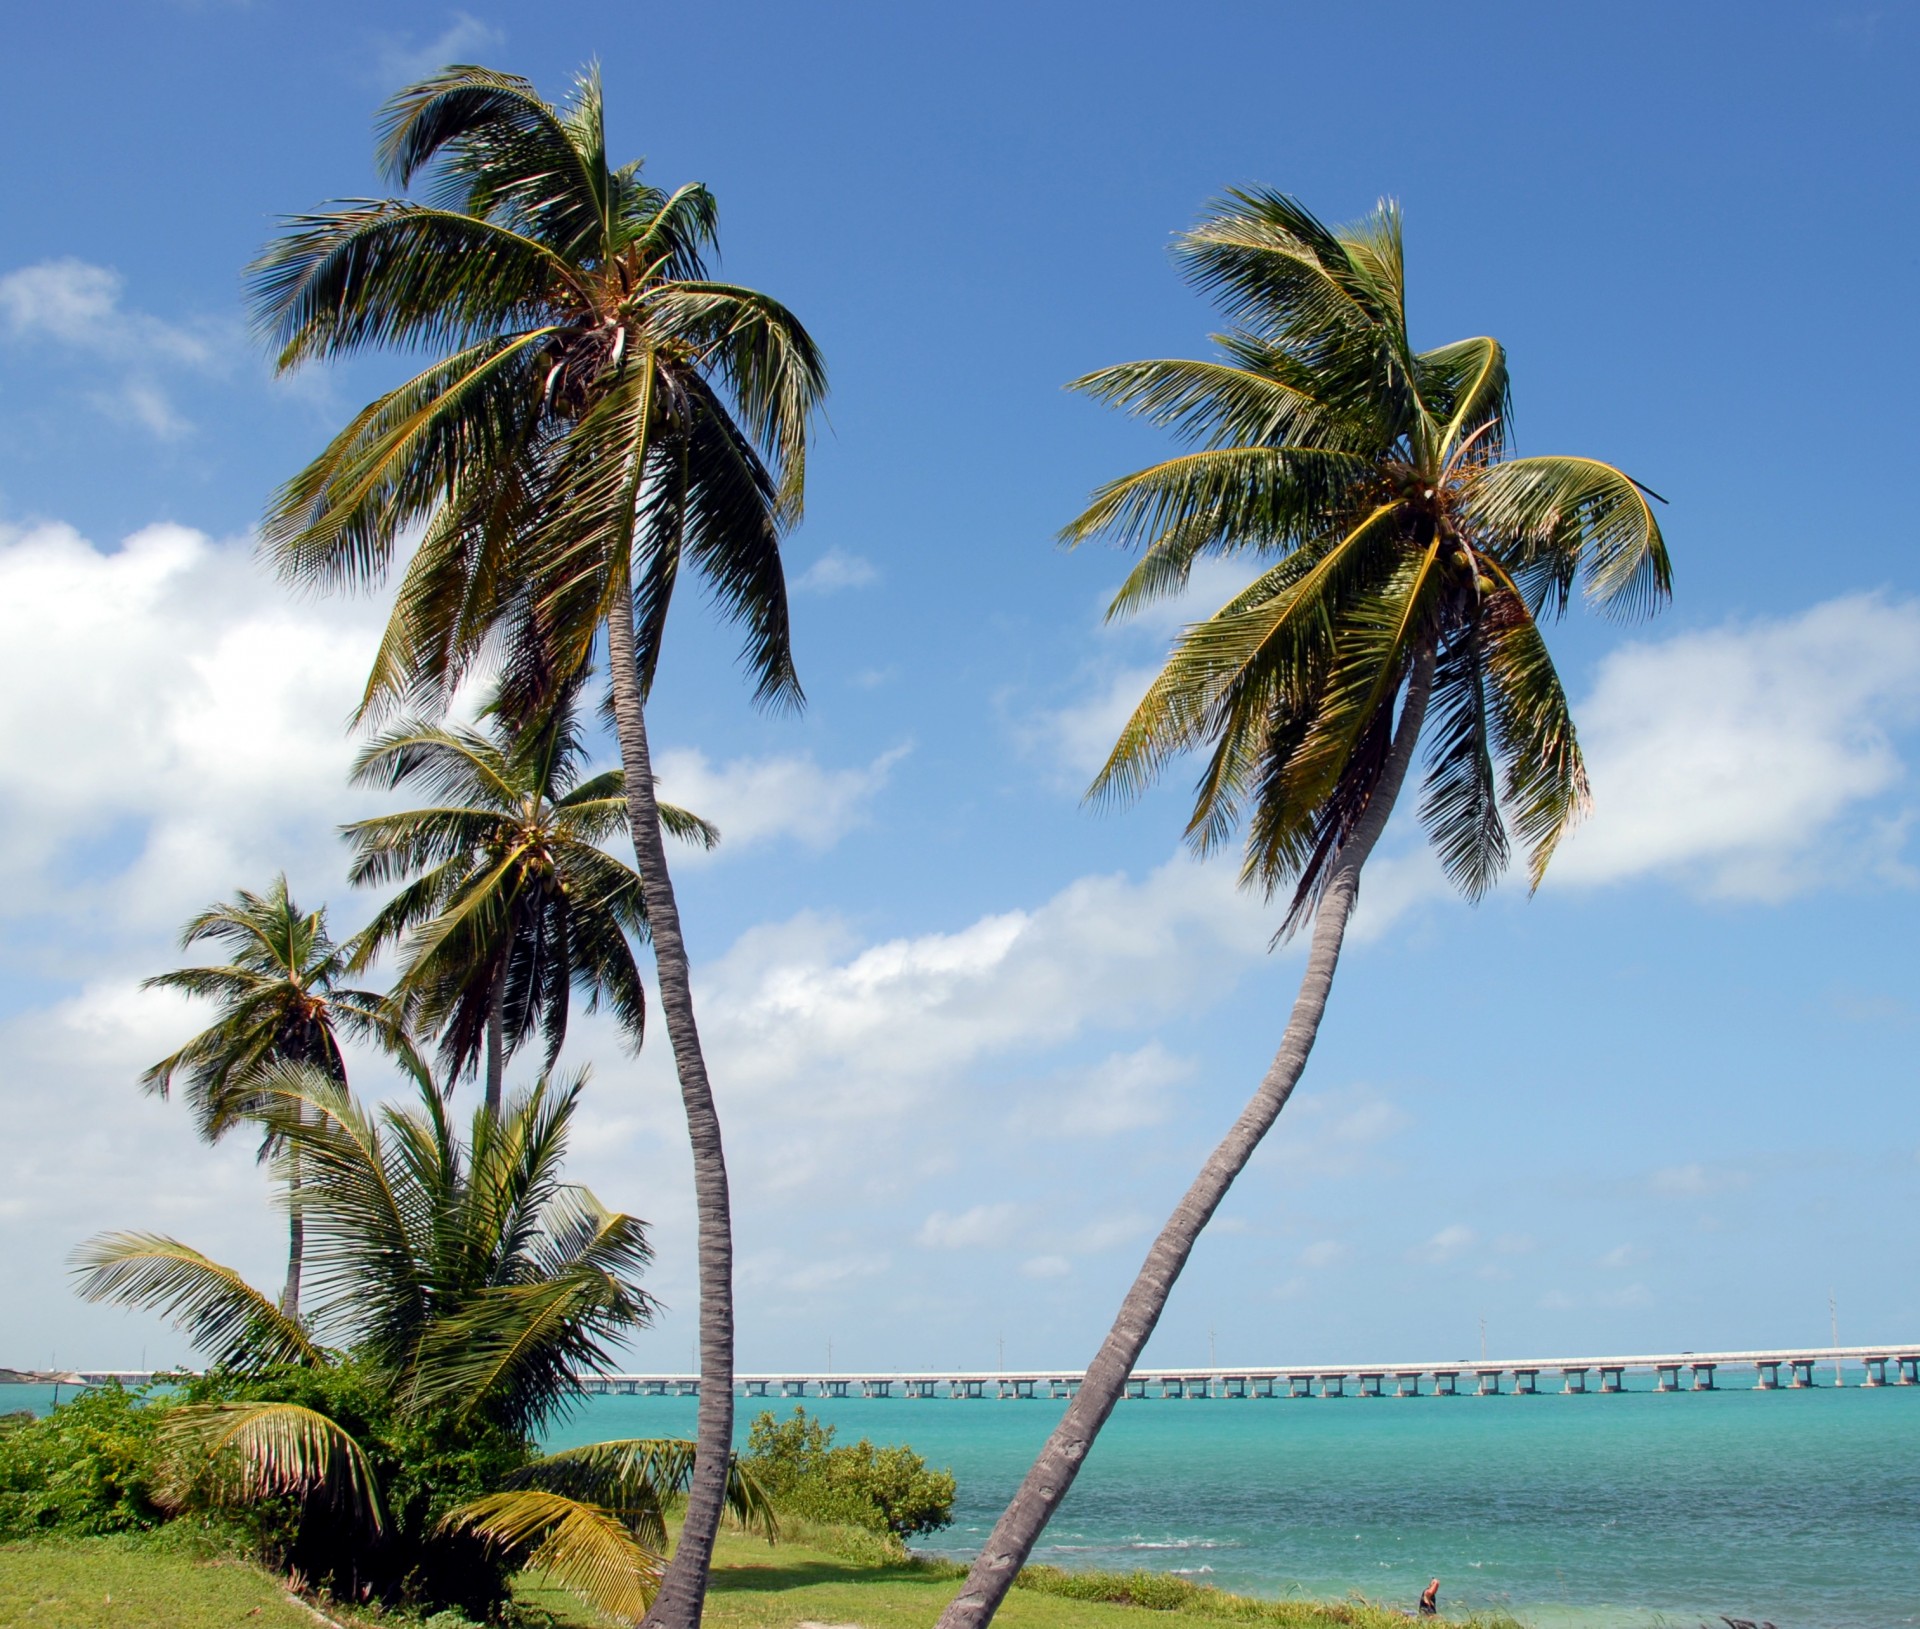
{"points": [[242, 1452], [223, 1315], [636, 1477], [579, 1546]]}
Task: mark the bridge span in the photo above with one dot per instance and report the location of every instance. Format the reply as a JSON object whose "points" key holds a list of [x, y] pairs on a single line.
{"points": [[1791, 1368]]}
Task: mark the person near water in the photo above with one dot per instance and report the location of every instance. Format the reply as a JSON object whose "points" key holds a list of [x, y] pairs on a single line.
{"points": [[1430, 1600]]}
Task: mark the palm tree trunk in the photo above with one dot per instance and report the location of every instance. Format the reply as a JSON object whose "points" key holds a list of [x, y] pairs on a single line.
{"points": [[296, 1236], [683, 1591], [1046, 1484], [497, 1039]]}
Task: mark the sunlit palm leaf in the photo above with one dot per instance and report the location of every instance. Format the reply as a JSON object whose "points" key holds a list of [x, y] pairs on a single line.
{"points": [[223, 1315], [579, 1546], [242, 1452]]}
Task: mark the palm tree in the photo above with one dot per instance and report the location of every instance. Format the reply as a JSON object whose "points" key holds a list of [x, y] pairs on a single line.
{"points": [[509, 901], [475, 1285], [1404, 562], [281, 1001], [600, 413]]}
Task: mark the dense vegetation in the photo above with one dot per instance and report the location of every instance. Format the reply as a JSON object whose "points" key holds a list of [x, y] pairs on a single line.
{"points": [[888, 1490]]}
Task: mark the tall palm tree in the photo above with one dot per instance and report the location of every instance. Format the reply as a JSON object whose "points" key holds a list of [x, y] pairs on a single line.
{"points": [[476, 1284], [509, 901], [599, 413], [1404, 561], [282, 1000]]}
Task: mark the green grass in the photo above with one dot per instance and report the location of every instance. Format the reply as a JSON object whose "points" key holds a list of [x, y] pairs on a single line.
{"points": [[115, 1583], [813, 1576]]}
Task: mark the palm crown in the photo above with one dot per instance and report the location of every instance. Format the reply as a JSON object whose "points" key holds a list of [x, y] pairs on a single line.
{"points": [[1398, 540], [601, 413], [281, 1000], [509, 901]]}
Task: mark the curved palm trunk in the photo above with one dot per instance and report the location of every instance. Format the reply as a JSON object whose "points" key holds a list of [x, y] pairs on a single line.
{"points": [[1046, 1484], [497, 1039], [683, 1591]]}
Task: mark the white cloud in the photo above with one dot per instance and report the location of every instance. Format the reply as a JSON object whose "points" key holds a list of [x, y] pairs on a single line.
{"points": [[754, 800], [77, 305], [803, 1014], [1695, 1181], [1124, 1092], [397, 61], [174, 708], [1324, 1253], [1046, 1267], [835, 570], [1730, 756], [1622, 1255], [1333, 1134], [1077, 738], [1445, 1245], [1109, 1233], [981, 1227]]}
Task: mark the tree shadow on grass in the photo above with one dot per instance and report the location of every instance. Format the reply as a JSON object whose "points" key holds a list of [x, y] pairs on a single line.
{"points": [[770, 1577]]}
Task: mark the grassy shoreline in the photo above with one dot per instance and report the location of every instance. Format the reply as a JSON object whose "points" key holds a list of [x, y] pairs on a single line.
{"points": [[816, 1576]]}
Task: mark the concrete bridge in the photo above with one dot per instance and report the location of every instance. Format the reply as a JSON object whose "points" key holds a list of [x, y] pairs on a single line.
{"points": [[1789, 1368]]}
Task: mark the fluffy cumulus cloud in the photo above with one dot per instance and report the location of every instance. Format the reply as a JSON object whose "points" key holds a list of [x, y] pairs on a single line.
{"points": [[754, 799], [835, 570], [194, 736], [77, 307], [1731, 756]]}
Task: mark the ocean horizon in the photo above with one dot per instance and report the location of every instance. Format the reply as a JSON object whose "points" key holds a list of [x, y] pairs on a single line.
{"points": [[1635, 1510]]}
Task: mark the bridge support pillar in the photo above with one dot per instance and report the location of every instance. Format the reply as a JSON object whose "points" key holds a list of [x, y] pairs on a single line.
{"points": [[1526, 1382], [1612, 1377], [1136, 1388], [876, 1388], [1910, 1370], [1370, 1384], [793, 1388], [1406, 1383], [1489, 1382], [1446, 1382], [1669, 1376], [753, 1388], [1233, 1385], [972, 1390], [1703, 1376], [1299, 1385], [1766, 1374], [1802, 1373], [1333, 1385], [1573, 1380], [917, 1389], [1263, 1384]]}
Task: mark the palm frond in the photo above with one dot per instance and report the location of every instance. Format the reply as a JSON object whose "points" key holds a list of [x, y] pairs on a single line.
{"points": [[1461, 806], [223, 1315], [579, 1546], [635, 1478], [243, 1452]]}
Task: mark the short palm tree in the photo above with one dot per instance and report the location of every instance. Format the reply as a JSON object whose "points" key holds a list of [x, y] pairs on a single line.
{"points": [[282, 1000], [509, 901], [1403, 563], [469, 1284], [600, 413]]}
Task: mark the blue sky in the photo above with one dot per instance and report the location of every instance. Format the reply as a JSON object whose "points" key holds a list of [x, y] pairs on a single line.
{"points": [[970, 1038]]}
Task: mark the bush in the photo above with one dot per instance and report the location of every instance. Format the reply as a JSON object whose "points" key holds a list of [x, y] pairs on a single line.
{"points": [[885, 1490], [89, 1467], [423, 1465]]}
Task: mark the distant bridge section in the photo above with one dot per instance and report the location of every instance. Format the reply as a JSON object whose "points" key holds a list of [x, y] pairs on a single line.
{"points": [[1773, 1369], [1782, 1368]]}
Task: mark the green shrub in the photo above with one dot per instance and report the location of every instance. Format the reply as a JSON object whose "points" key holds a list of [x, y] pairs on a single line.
{"points": [[424, 1464], [885, 1490], [88, 1467]]}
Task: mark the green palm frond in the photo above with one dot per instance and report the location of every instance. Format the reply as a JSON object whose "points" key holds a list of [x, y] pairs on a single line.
{"points": [[635, 1477], [223, 1315], [239, 1453], [579, 1546], [1461, 808], [1556, 516]]}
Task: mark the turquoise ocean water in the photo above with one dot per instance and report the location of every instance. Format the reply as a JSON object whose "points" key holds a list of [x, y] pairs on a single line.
{"points": [[1632, 1510]]}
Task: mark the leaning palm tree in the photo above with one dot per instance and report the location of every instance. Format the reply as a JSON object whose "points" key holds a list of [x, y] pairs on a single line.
{"points": [[473, 1285], [281, 1000], [509, 902], [1404, 561], [599, 413]]}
